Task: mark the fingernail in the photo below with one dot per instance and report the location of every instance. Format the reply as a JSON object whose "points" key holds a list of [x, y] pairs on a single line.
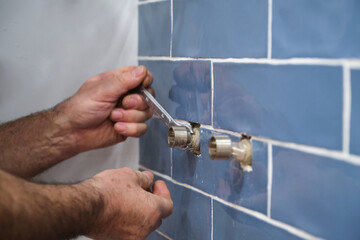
{"points": [[121, 127], [148, 174], [138, 71], [131, 102], [118, 114]]}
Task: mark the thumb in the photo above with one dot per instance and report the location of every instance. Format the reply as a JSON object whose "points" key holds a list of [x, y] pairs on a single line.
{"points": [[160, 189]]}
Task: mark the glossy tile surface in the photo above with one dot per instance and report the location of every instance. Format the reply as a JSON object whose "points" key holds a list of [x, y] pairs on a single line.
{"points": [[211, 28], [154, 150], [291, 103], [191, 217], [231, 224], [316, 194], [154, 29], [224, 179], [183, 88], [355, 113], [316, 28]]}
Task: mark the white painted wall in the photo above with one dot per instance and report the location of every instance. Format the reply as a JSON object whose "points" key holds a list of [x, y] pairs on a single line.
{"points": [[49, 48]]}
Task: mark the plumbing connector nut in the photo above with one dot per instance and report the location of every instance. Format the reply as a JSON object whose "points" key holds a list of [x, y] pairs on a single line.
{"points": [[178, 137], [222, 148]]}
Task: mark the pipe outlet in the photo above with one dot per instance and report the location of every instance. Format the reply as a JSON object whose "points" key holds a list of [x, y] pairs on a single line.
{"points": [[222, 148], [178, 137]]}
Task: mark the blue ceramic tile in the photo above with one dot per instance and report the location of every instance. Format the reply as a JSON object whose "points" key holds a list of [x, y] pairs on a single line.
{"points": [[191, 218], [355, 113], [224, 179], [211, 28], [231, 224], [154, 150], [154, 29], [183, 88], [316, 194], [155, 236], [301, 104], [316, 28]]}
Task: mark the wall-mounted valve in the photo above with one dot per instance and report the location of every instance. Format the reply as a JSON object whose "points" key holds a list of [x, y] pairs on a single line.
{"points": [[180, 137], [222, 148]]}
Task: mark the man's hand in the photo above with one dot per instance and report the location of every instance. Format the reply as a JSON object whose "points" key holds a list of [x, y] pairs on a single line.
{"points": [[130, 210], [102, 101], [104, 111]]}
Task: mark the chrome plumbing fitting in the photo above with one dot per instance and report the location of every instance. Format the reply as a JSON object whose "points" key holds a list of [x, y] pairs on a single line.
{"points": [[222, 148], [180, 137]]}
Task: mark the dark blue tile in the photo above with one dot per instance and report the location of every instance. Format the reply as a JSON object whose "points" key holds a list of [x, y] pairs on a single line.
{"points": [[316, 28], [316, 194], [211, 28], [355, 113], [154, 150], [191, 218], [231, 224], [154, 29], [183, 88], [301, 104], [225, 179]]}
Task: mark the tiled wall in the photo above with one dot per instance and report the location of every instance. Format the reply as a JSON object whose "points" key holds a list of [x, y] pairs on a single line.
{"points": [[285, 72]]}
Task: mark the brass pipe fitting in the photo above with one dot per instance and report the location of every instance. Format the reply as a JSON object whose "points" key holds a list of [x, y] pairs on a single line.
{"points": [[178, 137], [222, 148]]}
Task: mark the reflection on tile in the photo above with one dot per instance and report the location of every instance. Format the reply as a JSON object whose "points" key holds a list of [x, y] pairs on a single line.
{"points": [[225, 179], [355, 113], [316, 28], [154, 29], [316, 194], [211, 28], [191, 217], [183, 88], [231, 224], [154, 150], [301, 104]]}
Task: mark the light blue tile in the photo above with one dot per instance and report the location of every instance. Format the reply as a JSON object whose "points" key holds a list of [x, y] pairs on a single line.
{"points": [[154, 150], [154, 29], [183, 88], [316, 28], [301, 104], [191, 218], [225, 179], [211, 28], [231, 224], [316, 194], [355, 113]]}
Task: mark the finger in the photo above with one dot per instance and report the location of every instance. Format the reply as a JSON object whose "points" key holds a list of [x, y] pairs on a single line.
{"points": [[120, 81], [148, 79], [135, 101], [145, 179], [131, 115], [130, 129], [166, 205]]}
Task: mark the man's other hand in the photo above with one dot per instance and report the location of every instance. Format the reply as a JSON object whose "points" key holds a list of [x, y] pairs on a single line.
{"points": [[106, 110], [130, 210]]}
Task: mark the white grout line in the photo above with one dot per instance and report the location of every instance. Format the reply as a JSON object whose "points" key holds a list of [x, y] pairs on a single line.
{"points": [[346, 108], [212, 220], [258, 215], [212, 93], [171, 24], [269, 46], [163, 235], [338, 155], [270, 177], [353, 63], [150, 1]]}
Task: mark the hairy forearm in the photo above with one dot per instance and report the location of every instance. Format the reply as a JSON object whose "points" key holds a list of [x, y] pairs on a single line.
{"points": [[34, 143], [36, 211]]}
